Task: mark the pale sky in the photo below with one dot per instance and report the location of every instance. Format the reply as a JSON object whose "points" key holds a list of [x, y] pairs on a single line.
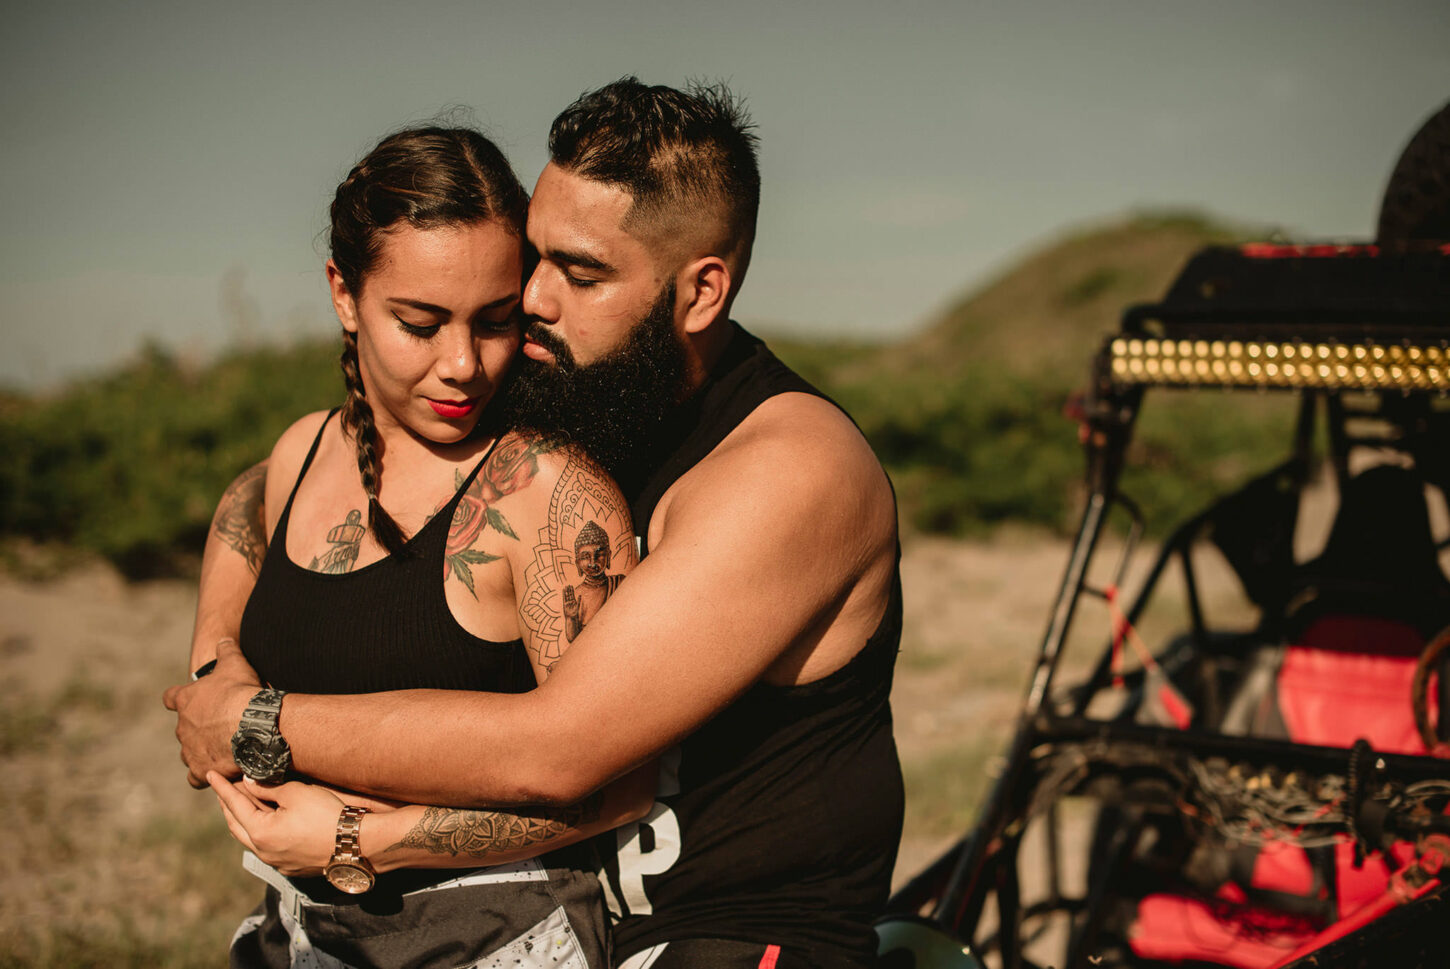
{"points": [[167, 166]]}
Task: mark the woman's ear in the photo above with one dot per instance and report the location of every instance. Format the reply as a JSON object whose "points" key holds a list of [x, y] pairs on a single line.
{"points": [[342, 302]]}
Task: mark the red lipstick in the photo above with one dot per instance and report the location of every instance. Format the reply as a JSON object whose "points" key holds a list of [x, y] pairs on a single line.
{"points": [[453, 409]]}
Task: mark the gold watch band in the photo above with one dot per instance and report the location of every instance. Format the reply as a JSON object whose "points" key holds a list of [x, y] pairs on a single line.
{"points": [[349, 834], [348, 870]]}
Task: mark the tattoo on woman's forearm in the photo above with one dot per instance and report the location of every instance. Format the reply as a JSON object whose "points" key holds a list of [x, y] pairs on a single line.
{"points": [[461, 831], [239, 521]]}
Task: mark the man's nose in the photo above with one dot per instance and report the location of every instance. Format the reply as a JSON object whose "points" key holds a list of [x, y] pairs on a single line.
{"points": [[537, 302]]}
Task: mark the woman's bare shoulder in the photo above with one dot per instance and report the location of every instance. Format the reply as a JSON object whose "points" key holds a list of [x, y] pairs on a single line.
{"points": [[288, 453]]}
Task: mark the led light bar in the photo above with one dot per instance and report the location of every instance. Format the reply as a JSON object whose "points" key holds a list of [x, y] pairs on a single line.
{"points": [[1146, 361]]}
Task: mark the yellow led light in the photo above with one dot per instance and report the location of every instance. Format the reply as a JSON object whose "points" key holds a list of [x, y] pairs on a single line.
{"points": [[1235, 348], [1255, 370], [1220, 369], [1289, 351], [1184, 348], [1150, 347], [1271, 350], [1120, 346], [1135, 347], [1120, 366], [1322, 351], [1201, 348], [1219, 348], [1341, 352], [1136, 366]]}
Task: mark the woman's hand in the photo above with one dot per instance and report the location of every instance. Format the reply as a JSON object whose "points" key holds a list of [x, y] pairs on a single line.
{"points": [[292, 826]]}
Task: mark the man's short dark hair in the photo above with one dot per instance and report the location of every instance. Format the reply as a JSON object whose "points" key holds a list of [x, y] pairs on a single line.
{"points": [[678, 153]]}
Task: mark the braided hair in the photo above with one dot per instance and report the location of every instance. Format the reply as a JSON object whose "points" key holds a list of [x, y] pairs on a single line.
{"points": [[426, 178]]}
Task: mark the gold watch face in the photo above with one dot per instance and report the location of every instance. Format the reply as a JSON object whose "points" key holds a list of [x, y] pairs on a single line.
{"points": [[349, 877]]}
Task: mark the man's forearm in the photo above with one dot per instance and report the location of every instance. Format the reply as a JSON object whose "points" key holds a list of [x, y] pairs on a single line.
{"points": [[406, 745]]}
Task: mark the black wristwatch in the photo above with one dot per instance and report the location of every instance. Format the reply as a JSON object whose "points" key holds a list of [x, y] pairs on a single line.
{"points": [[258, 746]]}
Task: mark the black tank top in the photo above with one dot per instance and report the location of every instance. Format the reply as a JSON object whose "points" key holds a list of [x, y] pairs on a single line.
{"points": [[385, 626], [778, 821]]}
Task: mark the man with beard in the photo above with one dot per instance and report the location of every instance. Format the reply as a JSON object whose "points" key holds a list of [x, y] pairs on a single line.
{"points": [[751, 651]]}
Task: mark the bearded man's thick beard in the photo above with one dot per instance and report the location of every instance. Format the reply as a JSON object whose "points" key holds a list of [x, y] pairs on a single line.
{"points": [[611, 408]]}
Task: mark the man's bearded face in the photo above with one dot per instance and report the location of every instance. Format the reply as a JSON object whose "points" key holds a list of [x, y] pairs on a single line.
{"points": [[609, 407]]}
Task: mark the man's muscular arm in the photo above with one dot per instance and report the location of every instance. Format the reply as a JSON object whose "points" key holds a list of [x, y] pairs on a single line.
{"points": [[230, 563], [772, 560]]}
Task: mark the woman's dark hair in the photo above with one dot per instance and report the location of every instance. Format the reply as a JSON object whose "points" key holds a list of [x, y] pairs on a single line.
{"points": [[425, 178]]}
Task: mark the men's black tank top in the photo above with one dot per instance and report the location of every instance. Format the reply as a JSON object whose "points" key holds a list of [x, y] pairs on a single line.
{"points": [[385, 626], [778, 821]]}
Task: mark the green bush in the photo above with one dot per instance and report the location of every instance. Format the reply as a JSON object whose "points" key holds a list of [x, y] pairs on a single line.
{"points": [[130, 465]]}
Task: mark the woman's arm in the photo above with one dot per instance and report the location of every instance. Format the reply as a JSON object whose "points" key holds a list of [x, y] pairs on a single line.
{"points": [[292, 826], [229, 564]]}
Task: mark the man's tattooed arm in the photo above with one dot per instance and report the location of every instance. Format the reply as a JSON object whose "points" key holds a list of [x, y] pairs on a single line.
{"points": [[480, 834], [239, 521], [579, 558]]}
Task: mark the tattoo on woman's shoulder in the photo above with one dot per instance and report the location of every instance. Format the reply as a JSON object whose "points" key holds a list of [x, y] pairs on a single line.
{"points": [[240, 519]]}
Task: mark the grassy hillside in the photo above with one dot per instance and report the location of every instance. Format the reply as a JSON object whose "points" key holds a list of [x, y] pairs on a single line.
{"points": [[967, 415]]}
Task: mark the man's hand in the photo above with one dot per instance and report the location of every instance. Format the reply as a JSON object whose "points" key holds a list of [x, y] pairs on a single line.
{"points": [[208, 711]]}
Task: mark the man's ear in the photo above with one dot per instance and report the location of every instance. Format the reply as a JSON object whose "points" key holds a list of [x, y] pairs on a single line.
{"points": [[342, 302], [704, 289]]}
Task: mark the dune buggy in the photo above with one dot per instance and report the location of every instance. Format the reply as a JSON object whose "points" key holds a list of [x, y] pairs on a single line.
{"points": [[1272, 797]]}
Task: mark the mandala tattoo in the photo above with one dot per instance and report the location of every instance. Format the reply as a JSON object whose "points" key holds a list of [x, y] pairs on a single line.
{"points": [[346, 540], [556, 604], [461, 831], [240, 521]]}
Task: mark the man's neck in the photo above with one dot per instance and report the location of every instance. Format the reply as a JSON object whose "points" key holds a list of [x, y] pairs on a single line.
{"points": [[705, 349]]}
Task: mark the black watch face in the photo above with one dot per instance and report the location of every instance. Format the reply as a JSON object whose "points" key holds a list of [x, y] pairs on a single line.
{"points": [[261, 759]]}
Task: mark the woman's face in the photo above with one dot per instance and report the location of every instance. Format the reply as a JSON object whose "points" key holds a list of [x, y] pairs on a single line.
{"points": [[436, 325]]}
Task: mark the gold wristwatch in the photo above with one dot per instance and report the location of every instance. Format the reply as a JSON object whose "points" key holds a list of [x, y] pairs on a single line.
{"points": [[348, 870]]}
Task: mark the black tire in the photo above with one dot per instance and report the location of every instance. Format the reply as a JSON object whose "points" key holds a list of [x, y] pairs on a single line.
{"points": [[1416, 205]]}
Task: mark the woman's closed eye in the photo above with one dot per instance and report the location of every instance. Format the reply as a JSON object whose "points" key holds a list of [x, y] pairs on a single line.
{"points": [[422, 331]]}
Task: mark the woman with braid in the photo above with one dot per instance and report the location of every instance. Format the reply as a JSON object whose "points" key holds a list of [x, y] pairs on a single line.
{"points": [[415, 543]]}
